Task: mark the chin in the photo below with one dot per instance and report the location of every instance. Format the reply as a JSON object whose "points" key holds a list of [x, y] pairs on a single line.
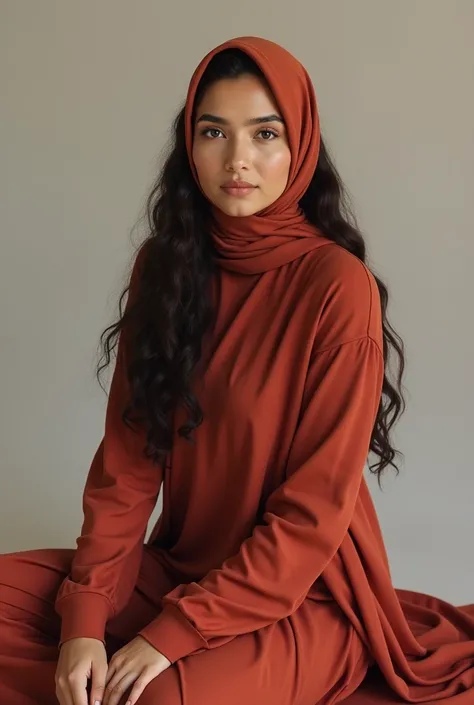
{"points": [[238, 210]]}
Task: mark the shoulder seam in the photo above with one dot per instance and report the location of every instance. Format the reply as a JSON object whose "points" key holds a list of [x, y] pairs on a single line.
{"points": [[371, 296], [348, 342], [366, 269]]}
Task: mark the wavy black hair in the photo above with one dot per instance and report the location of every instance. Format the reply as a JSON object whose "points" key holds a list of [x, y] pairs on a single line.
{"points": [[170, 309]]}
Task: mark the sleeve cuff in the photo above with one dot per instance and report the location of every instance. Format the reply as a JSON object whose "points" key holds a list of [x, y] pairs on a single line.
{"points": [[83, 615], [173, 635]]}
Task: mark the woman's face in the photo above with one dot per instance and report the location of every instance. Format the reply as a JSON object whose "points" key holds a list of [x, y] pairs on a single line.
{"points": [[239, 135]]}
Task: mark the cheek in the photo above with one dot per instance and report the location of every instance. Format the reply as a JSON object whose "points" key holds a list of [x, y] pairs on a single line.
{"points": [[205, 162], [277, 165]]}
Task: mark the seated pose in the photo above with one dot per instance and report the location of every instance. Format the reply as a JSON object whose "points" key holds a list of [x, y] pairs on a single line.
{"points": [[251, 382]]}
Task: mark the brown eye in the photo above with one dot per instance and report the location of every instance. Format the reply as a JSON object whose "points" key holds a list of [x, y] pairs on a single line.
{"points": [[208, 130], [269, 135]]}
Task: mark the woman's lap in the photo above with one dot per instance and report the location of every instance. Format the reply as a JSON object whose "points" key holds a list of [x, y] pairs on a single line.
{"points": [[282, 664], [305, 659]]}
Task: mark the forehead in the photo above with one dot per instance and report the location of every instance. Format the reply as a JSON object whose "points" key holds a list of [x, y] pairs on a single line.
{"points": [[246, 96]]}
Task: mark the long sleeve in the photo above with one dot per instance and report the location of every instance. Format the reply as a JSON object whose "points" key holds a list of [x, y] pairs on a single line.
{"points": [[120, 493], [305, 518]]}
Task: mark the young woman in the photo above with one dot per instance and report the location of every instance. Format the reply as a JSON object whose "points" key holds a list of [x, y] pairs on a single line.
{"points": [[251, 381]]}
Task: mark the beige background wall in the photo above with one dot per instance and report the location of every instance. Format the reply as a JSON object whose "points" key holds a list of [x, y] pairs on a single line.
{"points": [[91, 89]]}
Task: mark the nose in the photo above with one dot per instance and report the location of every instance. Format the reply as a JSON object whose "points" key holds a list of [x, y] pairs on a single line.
{"points": [[238, 155]]}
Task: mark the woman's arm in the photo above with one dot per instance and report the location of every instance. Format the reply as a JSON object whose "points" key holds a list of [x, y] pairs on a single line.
{"points": [[120, 494]]}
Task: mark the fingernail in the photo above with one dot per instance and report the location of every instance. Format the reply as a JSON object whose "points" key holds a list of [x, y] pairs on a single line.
{"points": [[97, 702]]}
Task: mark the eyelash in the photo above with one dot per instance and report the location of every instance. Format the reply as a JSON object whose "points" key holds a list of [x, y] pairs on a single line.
{"points": [[216, 129]]}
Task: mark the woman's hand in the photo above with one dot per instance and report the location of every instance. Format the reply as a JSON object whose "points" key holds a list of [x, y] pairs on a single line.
{"points": [[136, 664], [79, 660]]}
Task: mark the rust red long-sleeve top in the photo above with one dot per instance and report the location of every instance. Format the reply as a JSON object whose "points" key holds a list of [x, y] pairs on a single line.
{"points": [[270, 505], [257, 508]]}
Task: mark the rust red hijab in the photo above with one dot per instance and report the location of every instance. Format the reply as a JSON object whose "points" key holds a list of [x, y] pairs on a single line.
{"points": [[279, 233]]}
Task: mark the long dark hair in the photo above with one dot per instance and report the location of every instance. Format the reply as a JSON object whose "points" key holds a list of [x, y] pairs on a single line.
{"points": [[171, 308]]}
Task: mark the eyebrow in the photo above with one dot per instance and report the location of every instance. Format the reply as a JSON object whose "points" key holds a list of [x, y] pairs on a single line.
{"points": [[207, 117]]}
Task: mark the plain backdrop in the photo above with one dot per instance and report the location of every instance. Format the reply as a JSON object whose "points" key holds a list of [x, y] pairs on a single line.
{"points": [[89, 92]]}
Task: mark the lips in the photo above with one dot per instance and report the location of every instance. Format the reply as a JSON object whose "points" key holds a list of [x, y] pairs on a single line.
{"points": [[240, 189], [237, 185]]}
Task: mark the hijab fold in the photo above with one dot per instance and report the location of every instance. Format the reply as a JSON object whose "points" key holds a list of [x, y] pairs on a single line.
{"points": [[280, 233]]}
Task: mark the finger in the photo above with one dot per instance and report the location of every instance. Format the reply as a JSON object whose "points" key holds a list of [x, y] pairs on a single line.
{"points": [[111, 671], [119, 687], [78, 689], [99, 673], [113, 677], [146, 676], [63, 694]]}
